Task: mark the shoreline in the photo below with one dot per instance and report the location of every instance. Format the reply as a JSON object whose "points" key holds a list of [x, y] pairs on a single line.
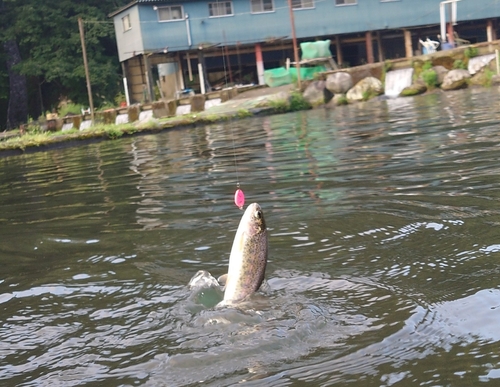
{"points": [[259, 101]]}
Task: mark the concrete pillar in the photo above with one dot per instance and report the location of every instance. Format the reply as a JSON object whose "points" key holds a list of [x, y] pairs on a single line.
{"points": [[133, 112], [225, 95], [59, 124], [109, 116], [149, 79], [369, 47], [77, 120], [340, 59], [171, 107], [197, 103], [159, 109], [260, 64], [408, 45]]}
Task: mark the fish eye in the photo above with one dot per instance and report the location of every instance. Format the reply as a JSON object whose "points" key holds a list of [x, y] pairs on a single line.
{"points": [[258, 214]]}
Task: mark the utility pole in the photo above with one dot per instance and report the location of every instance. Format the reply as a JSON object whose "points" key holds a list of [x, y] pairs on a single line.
{"points": [[294, 41], [86, 65]]}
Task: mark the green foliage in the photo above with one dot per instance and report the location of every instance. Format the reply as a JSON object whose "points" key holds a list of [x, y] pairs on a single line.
{"points": [[295, 103], [427, 65], [489, 76], [387, 66], [298, 102], [279, 106], [368, 94], [70, 109], [49, 41], [342, 100], [243, 113], [120, 98], [459, 64], [430, 78], [470, 52]]}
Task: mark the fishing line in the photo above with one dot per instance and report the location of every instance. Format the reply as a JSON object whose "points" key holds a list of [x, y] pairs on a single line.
{"points": [[239, 196]]}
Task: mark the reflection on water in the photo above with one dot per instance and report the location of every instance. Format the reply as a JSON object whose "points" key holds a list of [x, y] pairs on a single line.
{"points": [[383, 251]]}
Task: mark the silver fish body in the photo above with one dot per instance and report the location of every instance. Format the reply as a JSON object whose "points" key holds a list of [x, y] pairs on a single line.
{"points": [[248, 259]]}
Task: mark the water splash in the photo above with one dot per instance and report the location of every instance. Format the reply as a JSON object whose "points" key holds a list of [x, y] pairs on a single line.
{"points": [[397, 80]]}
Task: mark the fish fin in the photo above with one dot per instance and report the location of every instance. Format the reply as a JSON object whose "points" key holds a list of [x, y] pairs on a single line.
{"points": [[265, 287], [222, 280]]}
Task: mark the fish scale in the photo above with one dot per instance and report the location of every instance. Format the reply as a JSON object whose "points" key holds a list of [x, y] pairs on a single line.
{"points": [[248, 259]]}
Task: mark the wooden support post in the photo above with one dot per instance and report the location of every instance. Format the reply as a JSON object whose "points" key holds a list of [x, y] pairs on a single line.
{"points": [[408, 44], [490, 31], [451, 34], [340, 59], [369, 47], [380, 50], [86, 65], [294, 41]]}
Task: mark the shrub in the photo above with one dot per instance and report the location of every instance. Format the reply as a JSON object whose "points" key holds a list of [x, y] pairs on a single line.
{"points": [[459, 64], [427, 65], [71, 109], [430, 78], [470, 52], [298, 102]]}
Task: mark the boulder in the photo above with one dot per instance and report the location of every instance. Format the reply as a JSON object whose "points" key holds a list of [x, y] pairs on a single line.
{"points": [[339, 83], [477, 63], [455, 79], [441, 72], [337, 100], [495, 80], [316, 93], [365, 89], [415, 88]]}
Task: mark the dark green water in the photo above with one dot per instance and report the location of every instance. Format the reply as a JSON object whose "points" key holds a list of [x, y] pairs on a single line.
{"points": [[384, 252]]}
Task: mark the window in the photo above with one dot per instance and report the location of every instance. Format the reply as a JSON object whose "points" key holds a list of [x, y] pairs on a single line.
{"points": [[299, 4], [258, 6], [172, 12], [346, 2], [126, 23], [222, 8]]}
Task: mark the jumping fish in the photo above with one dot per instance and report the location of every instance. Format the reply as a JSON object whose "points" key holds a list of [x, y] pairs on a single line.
{"points": [[248, 259]]}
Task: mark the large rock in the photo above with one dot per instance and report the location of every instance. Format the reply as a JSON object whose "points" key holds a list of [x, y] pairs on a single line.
{"points": [[337, 100], [441, 72], [455, 79], [339, 83], [477, 63], [366, 88], [316, 93], [415, 88]]}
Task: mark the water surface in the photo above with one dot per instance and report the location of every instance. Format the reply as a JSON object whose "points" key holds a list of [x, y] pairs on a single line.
{"points": [[383, 266]]}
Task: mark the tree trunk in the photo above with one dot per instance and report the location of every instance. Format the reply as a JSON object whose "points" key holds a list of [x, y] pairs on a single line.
{"points": [[17, 111]]}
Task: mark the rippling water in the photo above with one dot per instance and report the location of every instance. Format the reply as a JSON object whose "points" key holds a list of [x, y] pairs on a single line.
{"points": [[383, 252]]}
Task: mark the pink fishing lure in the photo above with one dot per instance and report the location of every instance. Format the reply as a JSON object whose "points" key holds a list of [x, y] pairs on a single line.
{"points": [[239, 198]]}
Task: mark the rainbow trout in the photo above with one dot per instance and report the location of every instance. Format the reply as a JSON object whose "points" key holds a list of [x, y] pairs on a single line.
{"points": [[248, 259]]}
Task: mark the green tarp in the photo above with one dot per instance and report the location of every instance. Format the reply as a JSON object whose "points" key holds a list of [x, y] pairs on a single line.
{"points": [[281, 76], [310, 50]]}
